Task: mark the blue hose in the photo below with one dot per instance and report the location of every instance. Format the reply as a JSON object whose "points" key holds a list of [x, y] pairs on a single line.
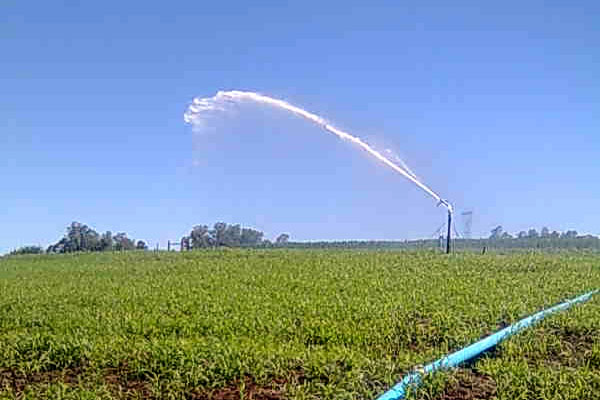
{"points": [[413, 379]]}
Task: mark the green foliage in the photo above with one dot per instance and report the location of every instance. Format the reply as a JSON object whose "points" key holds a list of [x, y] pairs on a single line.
{"points": [[282, 239], [80, 237], [27, 250], [496, 233], [122, 242], [506, 243], [222, 234], [305, 324]]}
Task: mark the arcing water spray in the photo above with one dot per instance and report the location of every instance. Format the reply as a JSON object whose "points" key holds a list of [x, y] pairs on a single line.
{"points": [[195, 111]]}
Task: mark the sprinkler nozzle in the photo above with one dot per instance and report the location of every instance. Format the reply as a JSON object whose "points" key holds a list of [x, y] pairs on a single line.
{"points": [[445, 204]]}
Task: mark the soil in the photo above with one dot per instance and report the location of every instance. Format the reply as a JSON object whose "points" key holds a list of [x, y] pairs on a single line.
{"points": [[470, 385]]}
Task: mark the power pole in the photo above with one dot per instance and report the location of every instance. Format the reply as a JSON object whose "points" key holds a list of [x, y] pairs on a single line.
{"points": [[467, 217]]}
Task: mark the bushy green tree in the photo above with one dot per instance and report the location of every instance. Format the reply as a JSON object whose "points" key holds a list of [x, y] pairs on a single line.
{"points": [[106, 241], [200, 237], [122, 242], [233, 236], [545, 233], [532, 233], [223, 234], [284, 238], [219, 233], [496, 233], [80, 237], [251, 237]]}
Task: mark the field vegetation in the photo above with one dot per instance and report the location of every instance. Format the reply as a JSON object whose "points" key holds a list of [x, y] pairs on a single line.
{"points": [[292, 324]]}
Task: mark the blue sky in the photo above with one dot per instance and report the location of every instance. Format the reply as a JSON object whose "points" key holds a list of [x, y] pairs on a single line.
{"points": [[494, 104]]}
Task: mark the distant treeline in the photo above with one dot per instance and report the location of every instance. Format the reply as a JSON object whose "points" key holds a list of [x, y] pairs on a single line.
{"points": [[578, 243], [80, 237], [499, 233], [565, 241]]}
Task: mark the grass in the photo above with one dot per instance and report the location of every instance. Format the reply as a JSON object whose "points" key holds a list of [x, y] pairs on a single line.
{"points": [[291, 324]]}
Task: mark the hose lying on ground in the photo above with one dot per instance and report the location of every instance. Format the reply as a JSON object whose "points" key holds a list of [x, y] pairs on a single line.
{"points": [[414, 379]]}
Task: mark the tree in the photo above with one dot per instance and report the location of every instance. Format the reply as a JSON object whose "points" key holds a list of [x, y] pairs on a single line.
{"points": [[106, 241], [496, 233], [532, 233], [555, 235], [122, 242], [80, 237], [92, 240], [233, 236], [74, 237], [545, 232], [570, 235], [222, 234], [282, 239], [59, 247], [251, 237], [522, 235], [218, 233], [506, 235], [200, 237], [185, 243], [141, 245]]}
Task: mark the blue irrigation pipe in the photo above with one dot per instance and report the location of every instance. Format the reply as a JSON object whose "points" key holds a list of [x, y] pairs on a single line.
{"points": [[414, 379]]}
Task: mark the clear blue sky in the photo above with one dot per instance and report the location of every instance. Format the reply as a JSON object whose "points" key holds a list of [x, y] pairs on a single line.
{"points": [[494, 104]]}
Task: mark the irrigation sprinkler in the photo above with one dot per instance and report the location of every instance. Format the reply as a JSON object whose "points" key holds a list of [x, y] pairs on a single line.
{"points": [[449, 230], [449, 235], [204, 106]]}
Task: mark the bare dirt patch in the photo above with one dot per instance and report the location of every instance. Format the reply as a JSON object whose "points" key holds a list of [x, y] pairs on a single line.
{"points": [[18, 381], [470, 385], [249, 389], [119, 381], [115, 378], [575, 348], [246, 389], [123, 384]]}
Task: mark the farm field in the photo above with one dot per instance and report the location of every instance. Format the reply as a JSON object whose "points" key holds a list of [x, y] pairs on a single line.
{"points": [[292, 324]]}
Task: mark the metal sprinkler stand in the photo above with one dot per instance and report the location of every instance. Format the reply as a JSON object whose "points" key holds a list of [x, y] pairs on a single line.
{"points": [[449, 231], [450, 209]]}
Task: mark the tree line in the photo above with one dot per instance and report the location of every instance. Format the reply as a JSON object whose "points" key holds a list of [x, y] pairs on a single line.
{"points": [[81, 238], [499, 233]]}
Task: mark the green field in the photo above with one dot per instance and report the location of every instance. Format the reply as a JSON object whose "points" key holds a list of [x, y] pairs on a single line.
{"points": [[292, 324]]}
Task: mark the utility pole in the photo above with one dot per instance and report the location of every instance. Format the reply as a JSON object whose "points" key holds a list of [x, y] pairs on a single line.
{"points": [[467, 217]]}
